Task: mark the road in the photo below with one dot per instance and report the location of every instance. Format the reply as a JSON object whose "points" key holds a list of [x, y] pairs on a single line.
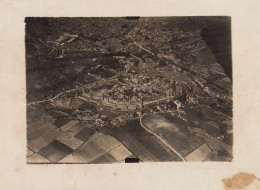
{"points": [[144, 48], [159, 100], [99, 79], [162, 140]]}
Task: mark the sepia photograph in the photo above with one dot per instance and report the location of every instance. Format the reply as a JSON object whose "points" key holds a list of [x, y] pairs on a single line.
{"points": [[102, 90]]}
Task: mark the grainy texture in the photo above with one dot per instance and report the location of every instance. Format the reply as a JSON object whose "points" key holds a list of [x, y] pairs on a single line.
{"points": [[15, 174], [162, 86]]}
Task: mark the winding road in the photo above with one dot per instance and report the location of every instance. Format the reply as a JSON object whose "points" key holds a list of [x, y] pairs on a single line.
{"points": [[162, 140]]}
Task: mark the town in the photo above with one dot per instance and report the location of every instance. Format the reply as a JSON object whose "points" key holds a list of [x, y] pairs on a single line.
{"points": [[157, 93]]}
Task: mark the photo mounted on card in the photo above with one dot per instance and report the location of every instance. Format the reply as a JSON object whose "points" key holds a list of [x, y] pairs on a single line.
{"points": [[128, 89]]}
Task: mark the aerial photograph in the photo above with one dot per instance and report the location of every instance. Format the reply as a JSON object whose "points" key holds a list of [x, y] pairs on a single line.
{"points": [[103, 90]]}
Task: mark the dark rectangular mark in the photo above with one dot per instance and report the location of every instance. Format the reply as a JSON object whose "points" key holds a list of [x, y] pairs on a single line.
{"points": [[132, 17], [132, 160]]}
